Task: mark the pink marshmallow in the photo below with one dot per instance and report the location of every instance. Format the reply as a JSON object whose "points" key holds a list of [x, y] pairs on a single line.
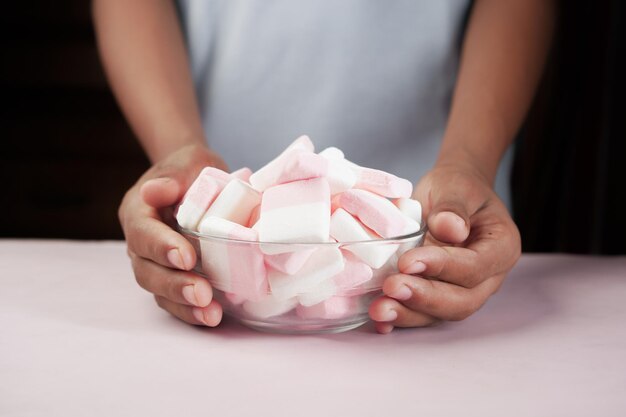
{"points": [[242, 174], [354, 274], [332, 308], [288, 262], [277, 171], [199, 197], [235, 203], [345, 228], [377, 213], [298, 211], [233, 267], [383, 183]]}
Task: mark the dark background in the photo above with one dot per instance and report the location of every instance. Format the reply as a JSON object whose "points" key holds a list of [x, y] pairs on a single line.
{"points": [[68, 156]]}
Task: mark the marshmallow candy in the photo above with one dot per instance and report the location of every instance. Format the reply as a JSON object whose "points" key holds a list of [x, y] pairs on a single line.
{"points": [[298, 211], [288, 262], [322, 265], [297, 162], [333, 308], [383, 183], [269, 306], [323, 291], [242, 174], [410, 208], [345, 228], [233, 267], [377, 213], [199, 196], [235, 203], [355, 273], [339, 175]]}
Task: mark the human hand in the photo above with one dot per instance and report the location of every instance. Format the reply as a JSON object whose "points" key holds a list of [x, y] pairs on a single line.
{"points": [[470, 246], [162, 258]]}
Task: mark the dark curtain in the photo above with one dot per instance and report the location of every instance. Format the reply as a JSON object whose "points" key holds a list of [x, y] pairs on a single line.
{"points": [[569, 177]]}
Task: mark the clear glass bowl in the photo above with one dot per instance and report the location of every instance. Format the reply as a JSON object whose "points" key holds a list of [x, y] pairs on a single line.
{"points": [[298, 287]]}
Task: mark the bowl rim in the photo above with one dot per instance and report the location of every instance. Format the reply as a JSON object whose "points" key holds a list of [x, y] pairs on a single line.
{"points": [[396, 239]]}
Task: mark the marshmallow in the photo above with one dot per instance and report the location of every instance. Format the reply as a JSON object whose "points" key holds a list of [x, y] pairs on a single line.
{"points": [[297, 162], [269, 306], [218, 174], [354, 274], [377, 213], [345, 228], [235, 203], [332, 153], [333, 308], [199, 197], [323, 291], [288, 262], [254, 216], [242, 174], [379, 275], [383, 183], [235, 267], [295, 212], [340, 177], [302, 143], [322, 265], [410, 208]]}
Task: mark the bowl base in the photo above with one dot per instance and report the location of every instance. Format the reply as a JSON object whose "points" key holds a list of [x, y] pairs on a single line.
{"points": [[303, 328]]}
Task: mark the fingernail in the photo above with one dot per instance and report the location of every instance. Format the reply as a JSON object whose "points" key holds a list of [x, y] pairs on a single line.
{"points": [[402, 293], [384, 328], [389, 315], [416, 268], [173, 255], [199, 315], [190, 294]]}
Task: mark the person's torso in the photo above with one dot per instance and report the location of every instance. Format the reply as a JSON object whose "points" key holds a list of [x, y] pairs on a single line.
{"points": [[373, 78]]}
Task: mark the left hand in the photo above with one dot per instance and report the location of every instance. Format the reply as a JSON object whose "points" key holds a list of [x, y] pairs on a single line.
{"points": [[471, 244]]}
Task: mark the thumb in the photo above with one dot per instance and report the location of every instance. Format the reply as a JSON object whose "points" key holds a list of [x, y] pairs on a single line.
{"points": [[161, 192], [448, 220]]}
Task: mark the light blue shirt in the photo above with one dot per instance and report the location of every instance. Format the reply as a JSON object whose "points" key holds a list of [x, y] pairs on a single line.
{"points": [[371, 77]]}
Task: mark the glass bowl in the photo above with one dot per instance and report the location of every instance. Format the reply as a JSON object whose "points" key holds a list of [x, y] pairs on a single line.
{"points": [[299, 288]]}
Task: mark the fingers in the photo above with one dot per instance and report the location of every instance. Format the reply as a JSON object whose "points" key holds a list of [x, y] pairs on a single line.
{"points": [[439, 299], [493, 248], [210, 315], [388, 310], [177, 286], [150, 238]]}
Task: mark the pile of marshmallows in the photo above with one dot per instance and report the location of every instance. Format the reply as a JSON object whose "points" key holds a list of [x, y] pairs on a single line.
{"points": [[299, 197]]}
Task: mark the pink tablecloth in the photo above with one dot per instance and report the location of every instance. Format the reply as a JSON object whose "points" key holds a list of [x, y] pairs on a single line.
{"points": [[80, 338]]}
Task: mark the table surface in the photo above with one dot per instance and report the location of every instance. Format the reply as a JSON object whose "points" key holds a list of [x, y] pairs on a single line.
{"points": [[80, 338]]}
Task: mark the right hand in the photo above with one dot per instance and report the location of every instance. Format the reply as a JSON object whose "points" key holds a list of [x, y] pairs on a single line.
{"points": [[162, 258]]}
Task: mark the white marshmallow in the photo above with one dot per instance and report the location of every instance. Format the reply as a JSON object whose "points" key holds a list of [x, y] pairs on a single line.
{"points": [[199, 197], [296, 162], [289, 262], [322, 265], [233, 267], [269, 306], [332, 153], [298, 211], [410, 208], [322, 292], [345, 228], [242, 173], [235, 203], [340, 177]]}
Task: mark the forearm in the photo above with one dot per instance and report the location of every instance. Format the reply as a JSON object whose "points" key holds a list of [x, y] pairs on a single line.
{"points": [[503, 57], [145, 60]]}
